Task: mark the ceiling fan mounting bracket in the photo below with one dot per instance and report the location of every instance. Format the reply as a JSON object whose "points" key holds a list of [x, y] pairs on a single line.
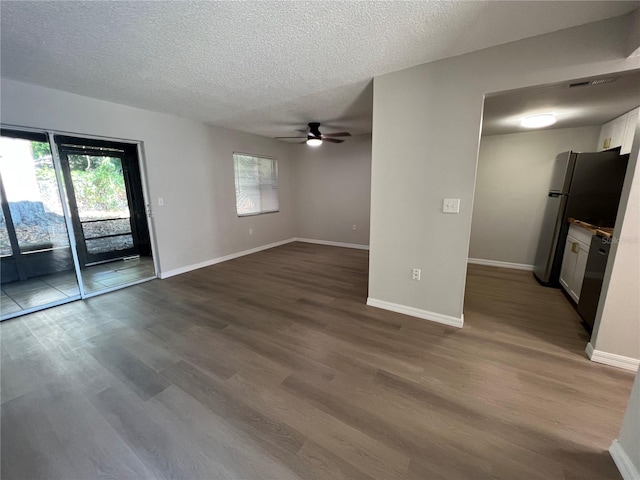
{"points": [[314, 130]]}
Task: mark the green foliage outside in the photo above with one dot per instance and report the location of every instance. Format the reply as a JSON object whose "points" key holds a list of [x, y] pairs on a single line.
{"points": [[99, 186], [40, 150], [98, 181]]}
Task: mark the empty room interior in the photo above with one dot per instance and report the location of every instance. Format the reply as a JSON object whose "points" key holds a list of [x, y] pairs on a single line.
{"points": [[320, 240]]}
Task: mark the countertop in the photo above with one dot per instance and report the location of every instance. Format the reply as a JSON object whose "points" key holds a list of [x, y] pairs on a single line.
{"points": [[601, 231]]}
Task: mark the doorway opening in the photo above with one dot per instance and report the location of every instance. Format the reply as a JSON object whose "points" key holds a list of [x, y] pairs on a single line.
{"points": [[525, 213], [74, 220]]}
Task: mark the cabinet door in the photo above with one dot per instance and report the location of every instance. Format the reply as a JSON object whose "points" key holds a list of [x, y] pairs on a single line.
{"points": [[617, 132], [630, 131], [568, 266], [580, 268], [604, 142]]}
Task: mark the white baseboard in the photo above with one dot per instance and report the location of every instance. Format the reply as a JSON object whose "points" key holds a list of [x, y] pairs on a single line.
{"points": [[612, 359], [207, 263], [495, 263], [626, 467], [213, 261], [416, 312], [333, 244], [589, 350]]}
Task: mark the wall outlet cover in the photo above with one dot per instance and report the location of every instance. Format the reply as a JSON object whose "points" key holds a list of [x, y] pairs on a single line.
{"points": [[451, 205], [415, 274]]}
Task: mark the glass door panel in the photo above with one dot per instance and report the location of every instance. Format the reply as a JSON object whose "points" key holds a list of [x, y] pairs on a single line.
{"points": [[100, 199], [108, 212], [35, 255], [5, 243]]}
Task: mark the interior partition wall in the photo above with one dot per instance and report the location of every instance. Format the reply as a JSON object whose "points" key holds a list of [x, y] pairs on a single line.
{"points": [[74, 221]]}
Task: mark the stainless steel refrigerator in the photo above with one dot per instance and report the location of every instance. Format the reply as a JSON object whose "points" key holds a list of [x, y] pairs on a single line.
{"points": [[584, 186]]}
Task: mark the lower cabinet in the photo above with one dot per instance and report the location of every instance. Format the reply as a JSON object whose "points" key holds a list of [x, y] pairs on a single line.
{"points": [[574, 262]]}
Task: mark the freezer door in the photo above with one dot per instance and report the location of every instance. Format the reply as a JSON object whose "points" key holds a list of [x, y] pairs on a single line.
{"points": [[595, 188], [562, 172], [552, 226]]}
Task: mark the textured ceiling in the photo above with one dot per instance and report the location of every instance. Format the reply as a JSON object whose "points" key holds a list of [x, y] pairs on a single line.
{"points": [[577, 106], [260, 67]]}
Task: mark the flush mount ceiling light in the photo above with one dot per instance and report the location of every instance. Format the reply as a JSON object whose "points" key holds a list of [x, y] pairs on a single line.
{"points": [[314, 142], [538, 121]]}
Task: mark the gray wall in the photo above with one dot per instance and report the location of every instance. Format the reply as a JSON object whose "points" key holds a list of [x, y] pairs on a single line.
{"points": [[189, 164], [426, 130], [512, 181], [333, 191]]}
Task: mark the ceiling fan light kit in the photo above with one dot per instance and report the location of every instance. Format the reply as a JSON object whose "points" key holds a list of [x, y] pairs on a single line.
{"points": [[314, 138]]}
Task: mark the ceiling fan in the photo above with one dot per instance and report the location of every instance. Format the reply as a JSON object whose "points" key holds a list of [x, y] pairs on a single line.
{"points": [[314, 138]]}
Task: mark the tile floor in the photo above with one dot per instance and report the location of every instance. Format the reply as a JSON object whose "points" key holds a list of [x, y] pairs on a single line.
{"points": [[17, 296]]}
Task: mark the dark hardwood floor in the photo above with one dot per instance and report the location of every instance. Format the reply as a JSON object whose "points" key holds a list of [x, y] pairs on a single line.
{"points": [[271, 366]]}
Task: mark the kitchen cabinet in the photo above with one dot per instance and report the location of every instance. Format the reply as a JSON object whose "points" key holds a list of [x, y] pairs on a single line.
{"points": [[619, 132], [627, 141], [574, 262]]}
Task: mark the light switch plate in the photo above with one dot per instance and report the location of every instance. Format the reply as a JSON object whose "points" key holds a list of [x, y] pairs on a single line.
{"points": [[160, 202], [451, 205]]}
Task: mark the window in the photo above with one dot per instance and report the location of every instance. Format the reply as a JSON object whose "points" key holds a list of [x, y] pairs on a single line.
{"points": [[256, 184]]}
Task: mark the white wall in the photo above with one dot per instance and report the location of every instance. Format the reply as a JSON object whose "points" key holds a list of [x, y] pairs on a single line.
{"points": [[512, 181], [629, 438], [333, 191], [426, 130], [188, 163]]}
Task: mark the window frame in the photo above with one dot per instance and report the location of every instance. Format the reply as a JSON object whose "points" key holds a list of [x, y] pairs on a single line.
{"points": [[274, 161]]}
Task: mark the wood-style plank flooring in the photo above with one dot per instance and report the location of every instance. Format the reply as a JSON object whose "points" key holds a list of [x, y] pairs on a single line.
{"points": [[271, 366]]}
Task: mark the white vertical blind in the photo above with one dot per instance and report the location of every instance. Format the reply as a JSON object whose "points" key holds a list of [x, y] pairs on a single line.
{"points": [[256, 184]]}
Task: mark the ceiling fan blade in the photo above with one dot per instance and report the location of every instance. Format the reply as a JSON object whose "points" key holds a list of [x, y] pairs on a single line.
{"points": [[337, 134], [280, 138], [332, 140]]}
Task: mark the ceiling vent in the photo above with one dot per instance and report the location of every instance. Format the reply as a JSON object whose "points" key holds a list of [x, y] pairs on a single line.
{"points": [[579, 84], [600, 81]]}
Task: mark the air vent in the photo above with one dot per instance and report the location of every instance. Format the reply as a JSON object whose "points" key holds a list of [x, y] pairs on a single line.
{"points": [[600, 81], [604, 80], [580, 84]]}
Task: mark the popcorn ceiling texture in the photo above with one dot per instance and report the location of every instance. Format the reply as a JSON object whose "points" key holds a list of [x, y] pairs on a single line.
{"points": [[259, 67]]}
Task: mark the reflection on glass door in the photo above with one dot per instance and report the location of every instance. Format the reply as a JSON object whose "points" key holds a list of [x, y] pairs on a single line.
{"points": [[36, 262], [108, 211]]}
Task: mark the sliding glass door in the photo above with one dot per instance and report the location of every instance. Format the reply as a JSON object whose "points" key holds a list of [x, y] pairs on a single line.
{"points": [[36, 262], [107, 210], [73, 220]]}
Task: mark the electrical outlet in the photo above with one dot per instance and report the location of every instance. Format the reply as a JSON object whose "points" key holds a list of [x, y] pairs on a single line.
{"points": [[416, 274], [451, 205], [251, 231], [160, 202], [354, 227]]}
